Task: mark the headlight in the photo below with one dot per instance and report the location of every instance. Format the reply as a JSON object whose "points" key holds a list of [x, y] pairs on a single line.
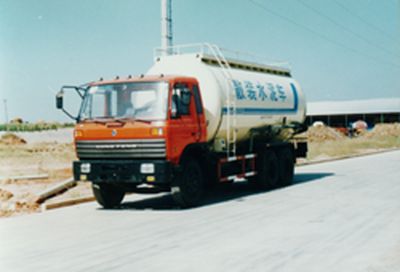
{"points": [[85, 168], [147, 168]]}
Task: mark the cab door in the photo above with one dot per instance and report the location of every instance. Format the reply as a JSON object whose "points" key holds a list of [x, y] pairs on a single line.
{"points": [[184, 123]]}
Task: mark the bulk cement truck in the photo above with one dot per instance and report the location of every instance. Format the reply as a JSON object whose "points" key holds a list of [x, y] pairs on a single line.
{"points": [[193, 120]]}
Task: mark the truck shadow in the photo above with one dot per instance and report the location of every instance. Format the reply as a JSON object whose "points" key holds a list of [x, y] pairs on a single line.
{"points": [[308, 177], [221, 193]]}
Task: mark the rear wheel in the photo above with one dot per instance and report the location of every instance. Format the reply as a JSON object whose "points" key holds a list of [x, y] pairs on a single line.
{"points": [[268, 171], [107, 195], [188, 186], [286, 167]]}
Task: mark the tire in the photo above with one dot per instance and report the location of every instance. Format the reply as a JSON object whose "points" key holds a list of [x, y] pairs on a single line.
{"points": [[286, 167], [108, 196], [188, 186], [268, 171]]}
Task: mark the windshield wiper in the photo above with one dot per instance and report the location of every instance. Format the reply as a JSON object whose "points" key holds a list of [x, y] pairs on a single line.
{"points": [[99, 119], [95, 121], [121, 120], [131, 119], [143, 121], [108, 119]]}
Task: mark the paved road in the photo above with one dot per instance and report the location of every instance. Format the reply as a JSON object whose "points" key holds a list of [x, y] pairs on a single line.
{"points": [[339, 216]]}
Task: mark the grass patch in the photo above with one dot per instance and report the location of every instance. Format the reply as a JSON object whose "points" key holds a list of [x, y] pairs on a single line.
{"points": [[40, 126]]}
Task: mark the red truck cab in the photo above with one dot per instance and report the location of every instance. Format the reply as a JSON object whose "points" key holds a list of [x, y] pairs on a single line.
{"points": [[131, 134]]}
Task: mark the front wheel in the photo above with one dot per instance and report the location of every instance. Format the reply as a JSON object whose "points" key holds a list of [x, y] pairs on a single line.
{"points": [[188, 186], [107, 195]]}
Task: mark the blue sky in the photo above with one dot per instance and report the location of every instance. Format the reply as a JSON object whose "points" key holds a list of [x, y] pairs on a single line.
{"points": [[338, 49]]}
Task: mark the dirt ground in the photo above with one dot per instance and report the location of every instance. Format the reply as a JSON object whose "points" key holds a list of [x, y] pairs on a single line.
{"points": [[29, 154], [325, 142]]}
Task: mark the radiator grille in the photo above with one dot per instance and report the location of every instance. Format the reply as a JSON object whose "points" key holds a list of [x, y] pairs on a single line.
{"points": [[121, 149]]}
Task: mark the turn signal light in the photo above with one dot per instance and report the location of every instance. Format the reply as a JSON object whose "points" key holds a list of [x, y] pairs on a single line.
{"points": [[157, 132], [78, 133]]}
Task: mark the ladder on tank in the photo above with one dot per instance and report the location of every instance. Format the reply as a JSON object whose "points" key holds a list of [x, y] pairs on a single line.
{"points": [[231, 122]]}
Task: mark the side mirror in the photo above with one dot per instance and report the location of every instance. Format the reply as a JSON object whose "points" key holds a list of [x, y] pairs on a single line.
{"points": [[60, 100]]}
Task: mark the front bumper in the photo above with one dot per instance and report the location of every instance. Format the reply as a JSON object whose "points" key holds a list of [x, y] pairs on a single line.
{"points": [[123, 171]]}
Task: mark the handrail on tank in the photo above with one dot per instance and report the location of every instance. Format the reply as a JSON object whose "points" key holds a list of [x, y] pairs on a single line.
{"points": [[205, 48]]}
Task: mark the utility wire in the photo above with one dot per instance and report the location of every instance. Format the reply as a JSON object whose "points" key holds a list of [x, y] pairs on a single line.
{"points": [[324, 37], [368, 41], [361, 19]]}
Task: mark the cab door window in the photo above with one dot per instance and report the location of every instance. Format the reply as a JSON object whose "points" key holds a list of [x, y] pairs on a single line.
{"points": [[197, 99], [181, 99]]}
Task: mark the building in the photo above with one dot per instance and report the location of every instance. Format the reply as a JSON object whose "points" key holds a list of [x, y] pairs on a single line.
{"points": [[343, 113]]}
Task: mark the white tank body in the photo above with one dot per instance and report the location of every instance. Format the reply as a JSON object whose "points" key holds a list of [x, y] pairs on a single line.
{"points": [[263, 96]]}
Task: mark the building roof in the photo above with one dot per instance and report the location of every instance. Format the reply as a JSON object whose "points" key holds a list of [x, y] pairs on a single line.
{"points": [[367, 106]]}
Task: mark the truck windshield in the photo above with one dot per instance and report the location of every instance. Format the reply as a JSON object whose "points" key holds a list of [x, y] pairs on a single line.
{"points": [[137, 100]]}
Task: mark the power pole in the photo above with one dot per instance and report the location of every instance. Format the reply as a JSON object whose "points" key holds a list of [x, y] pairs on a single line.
{"points": [[166, 27]]}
